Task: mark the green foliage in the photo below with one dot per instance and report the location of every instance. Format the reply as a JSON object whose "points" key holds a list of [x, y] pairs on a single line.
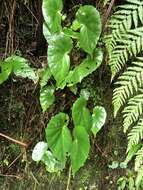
{"points": [[74, 144], [126, 183], [47, 97], [125, 47], [87, 16], [126, 38], [84, 69], [139, 179], [6, 69], [81, 115], [17, 65], [52, 165], [98, 119], [58, 58], [80, 148], [58, 136], [44, 76], [83, 34], [84, 31], [129, 84], [41, 153], [51, 12]]}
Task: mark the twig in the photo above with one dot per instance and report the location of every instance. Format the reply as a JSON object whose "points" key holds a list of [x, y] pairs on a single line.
{"points": [[32, 13], [36, 181], [5, 175], [102, 153], [13, 162], [13, 140], [10, 33]]}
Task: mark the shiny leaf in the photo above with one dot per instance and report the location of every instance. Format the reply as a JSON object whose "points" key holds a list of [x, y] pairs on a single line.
{"points": [[81, 115], [47, 97], [90, 21], [6, 69], [58, 136], [39, 150], [80, 148], [46, 32], [58, 58], [98, 119], [44, 75], [51, 11], [21, 67]]}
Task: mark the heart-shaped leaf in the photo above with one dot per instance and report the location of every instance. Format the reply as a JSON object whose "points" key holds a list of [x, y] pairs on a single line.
{"points": [[98, 119], [81, 115], [39, 150], [58, 58], [47, 97], [58, 136], [80, 148], [51, 11], [90, 21]]}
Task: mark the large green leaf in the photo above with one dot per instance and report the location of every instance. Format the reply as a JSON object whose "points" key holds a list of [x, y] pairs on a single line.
{"points": [[90, 21], [81, 115], [51, 10], [98, 119], [47, 97], [58, 58], [21, 68], [80, 148], [6, 69], [58, 136], [84, 69]]}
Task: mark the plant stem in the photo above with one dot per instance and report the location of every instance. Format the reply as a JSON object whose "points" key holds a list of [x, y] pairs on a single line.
{"points": [[107, 14], [69, 179]]}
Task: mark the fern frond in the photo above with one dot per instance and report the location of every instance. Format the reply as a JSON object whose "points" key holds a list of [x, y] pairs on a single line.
{"points": [[139, 159], [130, 44], [125, 43], [127, 15], [132, 111], [125, 36], [135, 135], [130, 82], [139, 177], [137, 2]]}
